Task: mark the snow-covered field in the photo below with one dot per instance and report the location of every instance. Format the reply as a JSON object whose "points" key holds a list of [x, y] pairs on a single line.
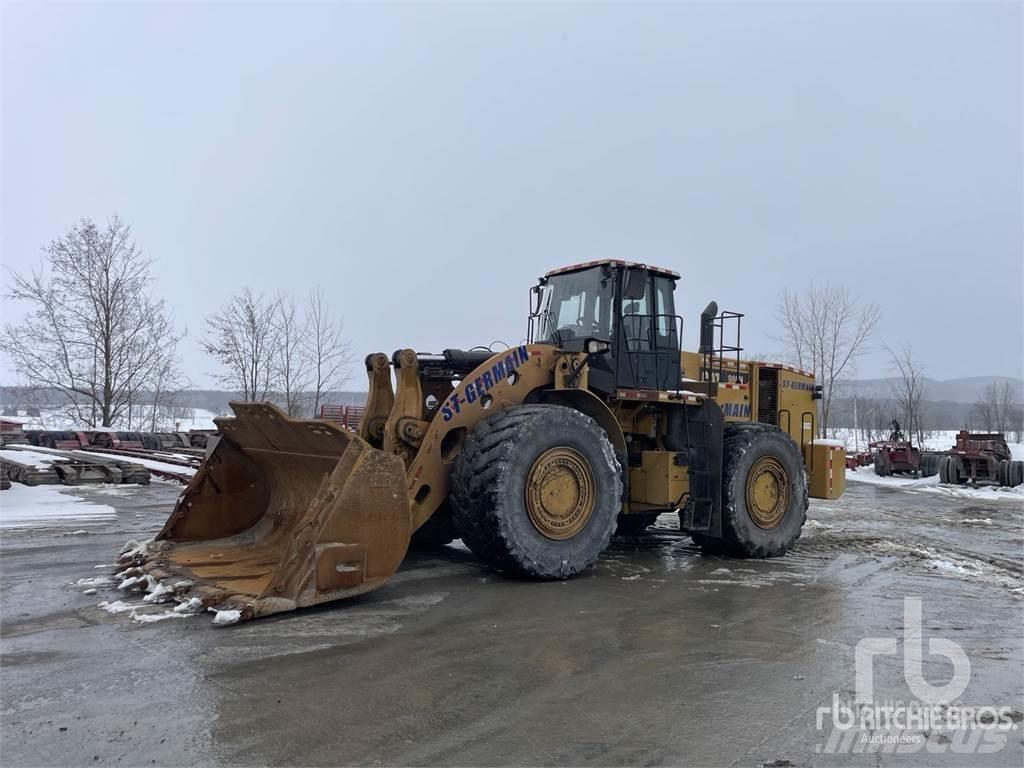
{"points": [[942, 440], [24, 506], [196, 418]]}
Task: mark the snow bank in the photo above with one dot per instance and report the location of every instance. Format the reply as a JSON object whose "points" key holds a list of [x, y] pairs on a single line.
{"points": [[24, 506], [931, 485]]}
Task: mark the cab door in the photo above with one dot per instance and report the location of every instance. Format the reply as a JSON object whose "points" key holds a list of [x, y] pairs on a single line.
{"points": [[647, 339]]}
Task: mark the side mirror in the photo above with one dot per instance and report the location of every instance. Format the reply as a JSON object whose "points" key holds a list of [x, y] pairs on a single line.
{"points": [[635, 286], [535, 294]]}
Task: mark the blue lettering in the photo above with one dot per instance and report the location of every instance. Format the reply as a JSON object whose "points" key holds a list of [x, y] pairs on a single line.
{"points": [[488, 381], [523, 354], [498, 371], [470, 392], [455, 402], [446, 412], [510, 364]]}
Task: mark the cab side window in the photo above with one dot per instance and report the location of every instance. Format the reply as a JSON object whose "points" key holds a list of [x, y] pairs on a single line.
{"points": [[665, 321], [636, 321]]}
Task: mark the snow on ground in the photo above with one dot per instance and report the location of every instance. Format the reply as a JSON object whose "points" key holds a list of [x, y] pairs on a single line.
{"points": [[932, 486], [51, 419], [23, 506]]}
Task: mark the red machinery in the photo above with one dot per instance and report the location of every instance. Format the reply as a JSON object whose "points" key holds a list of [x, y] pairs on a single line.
{"points": [[108, 438], [346, 415], [980, 458], [65, 440], [11, 432], [895, 456], [860, 459]]}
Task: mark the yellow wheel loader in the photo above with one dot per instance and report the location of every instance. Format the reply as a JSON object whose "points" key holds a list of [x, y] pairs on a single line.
{"points": [[533, 455]]}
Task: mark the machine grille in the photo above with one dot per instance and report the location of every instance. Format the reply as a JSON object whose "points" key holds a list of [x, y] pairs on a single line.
{"points": [[768, 395]]}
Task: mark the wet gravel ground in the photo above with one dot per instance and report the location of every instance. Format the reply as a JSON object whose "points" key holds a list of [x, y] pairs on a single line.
{"points": [[657, 656]]}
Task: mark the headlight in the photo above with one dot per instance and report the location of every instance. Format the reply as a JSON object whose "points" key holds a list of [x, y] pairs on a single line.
{"points": [[594, 346]]}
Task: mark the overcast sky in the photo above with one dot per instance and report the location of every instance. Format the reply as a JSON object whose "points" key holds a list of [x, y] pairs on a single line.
{"points": [[424, 164]]}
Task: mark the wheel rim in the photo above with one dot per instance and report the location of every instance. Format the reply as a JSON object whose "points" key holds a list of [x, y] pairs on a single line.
{"points": [[768, 492], [560, 493]]}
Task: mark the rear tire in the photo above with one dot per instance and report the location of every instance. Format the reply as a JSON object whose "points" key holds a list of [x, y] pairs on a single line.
{"points": [[882, 468], [764, 493], [930, 464], [949, 471], [1016, 473], [536, 491]]}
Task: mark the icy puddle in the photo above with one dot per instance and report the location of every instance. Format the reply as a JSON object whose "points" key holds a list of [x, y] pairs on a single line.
{"points": [[48, 506]]}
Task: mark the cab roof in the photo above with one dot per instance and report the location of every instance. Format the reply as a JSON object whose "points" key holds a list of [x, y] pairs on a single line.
{"points": [[613, 263]]}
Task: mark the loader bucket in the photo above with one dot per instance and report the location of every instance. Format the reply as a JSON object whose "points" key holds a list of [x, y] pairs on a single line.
{"points": [[284, 514]]}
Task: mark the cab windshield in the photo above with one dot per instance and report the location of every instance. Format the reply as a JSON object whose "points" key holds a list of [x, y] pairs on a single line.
{"points": [[576, 305]]}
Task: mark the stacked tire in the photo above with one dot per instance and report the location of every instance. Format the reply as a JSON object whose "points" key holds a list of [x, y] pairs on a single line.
{"points": [[1010, 474], [930, 464], [951, 470]]}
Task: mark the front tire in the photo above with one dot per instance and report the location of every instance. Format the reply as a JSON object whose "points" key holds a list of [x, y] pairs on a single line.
{"points": [[536, 491]]}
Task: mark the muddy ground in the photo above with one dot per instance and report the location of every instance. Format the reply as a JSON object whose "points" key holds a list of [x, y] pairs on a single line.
{"points": [[657, 656]]}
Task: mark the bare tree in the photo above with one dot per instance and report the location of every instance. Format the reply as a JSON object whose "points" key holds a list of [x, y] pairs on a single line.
{"points": [[998, 409], [93, 336], [244, 338], [164, 399], [909, 391], [291, 372], [825, 329], [327, 354]]}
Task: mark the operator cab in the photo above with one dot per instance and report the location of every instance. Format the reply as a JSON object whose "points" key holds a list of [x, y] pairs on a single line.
{"points": [[621, 313]]}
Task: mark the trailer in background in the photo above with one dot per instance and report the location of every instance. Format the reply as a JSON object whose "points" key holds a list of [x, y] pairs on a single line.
{"points": [[980, 458]]}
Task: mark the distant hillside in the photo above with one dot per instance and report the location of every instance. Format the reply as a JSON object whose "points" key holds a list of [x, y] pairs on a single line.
{"points": [[966, 390], [213, 400]]}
